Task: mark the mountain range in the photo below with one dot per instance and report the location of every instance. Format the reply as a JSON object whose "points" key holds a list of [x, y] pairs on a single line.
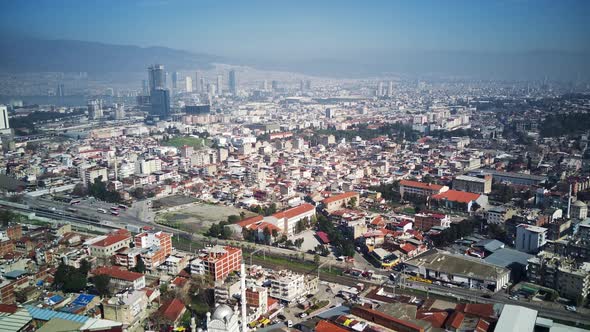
{"points": [[38, 55]]}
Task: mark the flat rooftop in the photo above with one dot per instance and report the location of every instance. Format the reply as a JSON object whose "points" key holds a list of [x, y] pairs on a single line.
{"points": [[458, 265]]}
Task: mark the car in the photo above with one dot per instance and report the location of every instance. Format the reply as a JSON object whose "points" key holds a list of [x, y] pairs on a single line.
{"points": [[570, 308], [514, 297], [303, 315], [281, 317], [289, 323], [486, 296], [101, 210]]}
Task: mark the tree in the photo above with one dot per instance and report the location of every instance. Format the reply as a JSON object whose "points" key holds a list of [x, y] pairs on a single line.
{"points": [[266, 231], [79, 190], [233, 219], [353, 202], [85, 267], [580, 300], [299, 226], [298, 243], [102, 282], [7, 217], [21, 296], [140, 265]]}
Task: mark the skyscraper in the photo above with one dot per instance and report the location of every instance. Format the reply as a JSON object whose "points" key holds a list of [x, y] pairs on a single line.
{"points": [[219, 85], [202, 85], [390, 89], [189, 84], [160, 99], [197, 82], [144, 87], [308, 85], [94, 109], [264, 85], [274, 85], [156, 77], [4, 117], [60, 92], [380, 89], [233, 82], [175, 80], [301, 85]]}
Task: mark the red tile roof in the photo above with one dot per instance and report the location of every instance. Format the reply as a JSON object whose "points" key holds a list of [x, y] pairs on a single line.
{"points": [[338, 197], [112, 239], [436, 318], [481, 310], [323, 237], [294, 212], [117, 273], [456, 196], [421, 185], [249, 221], [172, 310], [326, 326], [456, 320]]}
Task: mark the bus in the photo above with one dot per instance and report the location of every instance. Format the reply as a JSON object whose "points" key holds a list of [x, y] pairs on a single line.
{"points": [[71, 210], [101, 210], [75, 201], [115, 213]]}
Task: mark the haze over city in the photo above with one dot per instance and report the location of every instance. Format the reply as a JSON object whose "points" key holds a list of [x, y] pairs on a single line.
{"points": [[294, 166]]}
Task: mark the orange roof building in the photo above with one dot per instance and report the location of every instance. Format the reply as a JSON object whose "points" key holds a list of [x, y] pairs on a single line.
{"points": [[336, 202]]}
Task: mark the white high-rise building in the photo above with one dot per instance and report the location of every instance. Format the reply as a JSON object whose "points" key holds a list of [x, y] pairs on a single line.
{"points": [[219, 85], [189, 84], [4, 117], [390, 89]]}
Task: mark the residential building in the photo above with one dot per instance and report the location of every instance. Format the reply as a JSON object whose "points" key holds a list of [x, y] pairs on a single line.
{"points": [[426, 220], [339, 201], [569, 278], [122, 279], [217, 261], [472, 184], [419, 189], [498, 214], [128, 308], [288, 286], [529, 238], [107, 245]]}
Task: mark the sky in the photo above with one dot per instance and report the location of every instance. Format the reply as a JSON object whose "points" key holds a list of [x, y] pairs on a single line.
{"points": [[308, 29]]}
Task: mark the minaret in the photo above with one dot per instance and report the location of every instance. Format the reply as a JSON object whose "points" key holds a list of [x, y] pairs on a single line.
{"points": [[569, 201], [193, 324], [243, 296]]}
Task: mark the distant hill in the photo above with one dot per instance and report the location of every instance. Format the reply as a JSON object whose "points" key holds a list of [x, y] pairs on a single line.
{"points": [[37, 55]]}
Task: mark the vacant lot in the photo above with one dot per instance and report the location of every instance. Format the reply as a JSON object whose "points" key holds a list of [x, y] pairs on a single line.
{"points": [[197, 217]]}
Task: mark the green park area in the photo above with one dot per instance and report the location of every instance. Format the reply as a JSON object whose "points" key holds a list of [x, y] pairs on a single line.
{"points": [[180, 141]]}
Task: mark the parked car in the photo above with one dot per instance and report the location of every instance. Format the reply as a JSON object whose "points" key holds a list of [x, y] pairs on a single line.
{"points": [[570, 308]]}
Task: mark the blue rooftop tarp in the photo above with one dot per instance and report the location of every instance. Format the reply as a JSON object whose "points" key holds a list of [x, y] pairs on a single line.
{"points": [[83, 299], [14, 274], [55, 299], [47, 314]]}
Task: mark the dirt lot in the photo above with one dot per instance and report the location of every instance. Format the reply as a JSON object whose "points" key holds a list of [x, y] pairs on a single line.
{"points": [[196, 217]]}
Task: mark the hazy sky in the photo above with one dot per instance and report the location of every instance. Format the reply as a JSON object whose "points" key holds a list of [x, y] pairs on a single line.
{"points": [[300, 29]]}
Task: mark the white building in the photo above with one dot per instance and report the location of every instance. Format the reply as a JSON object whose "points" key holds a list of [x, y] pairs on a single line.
{"points": [[4, 117], [189, 84], [530, 238]]}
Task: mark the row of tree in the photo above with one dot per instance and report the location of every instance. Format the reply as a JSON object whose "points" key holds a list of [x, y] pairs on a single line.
{"points": [[342, 243]]}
